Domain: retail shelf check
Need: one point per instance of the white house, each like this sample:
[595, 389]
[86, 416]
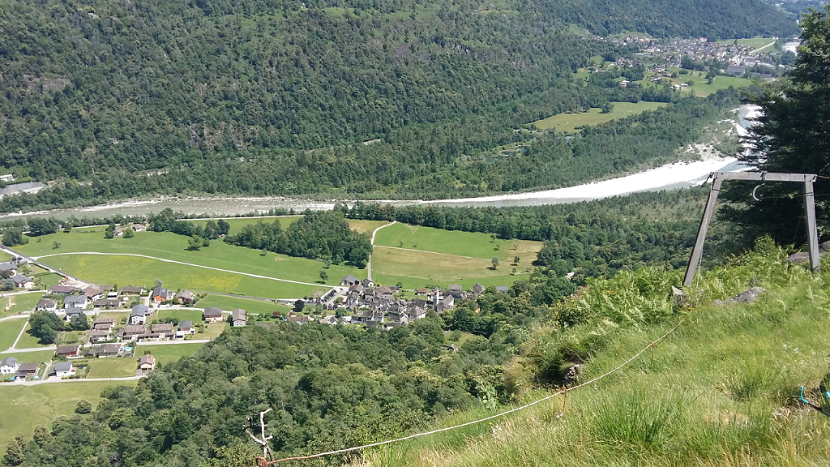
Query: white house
[75, 300]
[138, 315]
[8, 366]
[62, 369]
[46, 304]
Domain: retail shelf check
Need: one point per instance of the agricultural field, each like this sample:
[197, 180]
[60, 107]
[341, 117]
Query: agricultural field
[123, 270]
[700, 88]
[211, 331]
[42, 356]
[755, 42]
[249, 305]
[118, 367]
[454, 242]
[13, 304]
[570, 123]
[168, 353]
[440, 257]
[9, 329]
[180, 314]
[28, 341]
[42, 403]
[364, 226]
[236, 224]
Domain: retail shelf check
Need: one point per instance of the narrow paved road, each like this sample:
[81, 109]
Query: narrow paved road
[20, 334]
[369, 263]
[184, 264]
[48, 268]
[36, 349]
[82, 380]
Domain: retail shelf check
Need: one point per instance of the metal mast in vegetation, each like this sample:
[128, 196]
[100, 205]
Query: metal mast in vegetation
[717, 180]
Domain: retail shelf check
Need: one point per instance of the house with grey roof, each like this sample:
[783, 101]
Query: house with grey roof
[138, 315]
[349, 280]
[109, 350]
[8, 269]
[72, 312]
[61, 289]
[186, 296]
[8, 366]
[239, 317]
[185, 328]
[212, 314]
[75, 300]
[62, 369]
[23, 282]
[47, 304]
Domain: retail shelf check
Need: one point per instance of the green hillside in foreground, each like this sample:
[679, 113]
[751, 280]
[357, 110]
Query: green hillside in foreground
[723, 389]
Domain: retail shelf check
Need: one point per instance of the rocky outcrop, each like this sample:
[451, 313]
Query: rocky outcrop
[749, 296]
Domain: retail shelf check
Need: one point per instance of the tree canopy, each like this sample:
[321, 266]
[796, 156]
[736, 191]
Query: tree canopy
[791, 134]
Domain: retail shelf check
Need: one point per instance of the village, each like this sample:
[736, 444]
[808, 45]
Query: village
[113, 321]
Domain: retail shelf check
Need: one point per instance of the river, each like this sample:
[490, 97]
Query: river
[667, 177]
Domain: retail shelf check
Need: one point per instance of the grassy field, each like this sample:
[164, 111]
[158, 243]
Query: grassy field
[181, 315]
[568, 123]
[251, 306]
[112, 367]
[237, 224]
[755, 42]
[28, 341]
[48, 279]
[702, 89]
[124, 270]
[472, 244]
[9, 329]
[211, 331]
[174, 247]
[723, 390]
[34, 357]
[24, 407]
[441, 257]
[168, 353]
[13, 304]
[364, 226]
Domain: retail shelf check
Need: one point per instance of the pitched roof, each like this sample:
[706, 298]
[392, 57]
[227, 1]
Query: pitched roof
[185, 324]
[109, 348]
[213, 312]
[147, 358]
[73, 299]
[63, 366]
[162, 327]
[90, 292]
[132, 289]
[21, 279]
[67, 349]
[103, 321]
[74, 310]
[27, 368]
[139, 310]
[135, 329]
[8, 361]
[7, 266]
[186, 294]
[47, 303]
[61, 289]
[239, 314]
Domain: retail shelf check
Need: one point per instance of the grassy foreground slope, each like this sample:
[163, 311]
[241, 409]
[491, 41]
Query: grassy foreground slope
[723, 389]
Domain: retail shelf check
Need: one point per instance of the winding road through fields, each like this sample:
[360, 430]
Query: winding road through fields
[182, 263]
[369, 263]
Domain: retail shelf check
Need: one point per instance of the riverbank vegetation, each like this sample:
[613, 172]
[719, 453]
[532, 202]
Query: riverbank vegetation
[412, 99]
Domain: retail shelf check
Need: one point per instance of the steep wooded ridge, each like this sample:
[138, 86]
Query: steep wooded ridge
[245, 97]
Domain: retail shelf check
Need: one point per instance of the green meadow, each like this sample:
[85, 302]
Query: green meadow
[24, 407]
[236, 224]
[754, 42]
[9, 329]
[179, 314]
[131, 270]
[28, 341]
[112, 367]
[251, 306]
[168, 353]
[571, 122]
[454, 242]
[13, 304]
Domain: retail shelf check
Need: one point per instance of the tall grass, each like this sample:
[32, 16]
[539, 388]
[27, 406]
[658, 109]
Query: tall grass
[723, 389]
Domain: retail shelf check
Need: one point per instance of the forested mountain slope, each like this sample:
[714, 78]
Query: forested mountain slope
[98, 90]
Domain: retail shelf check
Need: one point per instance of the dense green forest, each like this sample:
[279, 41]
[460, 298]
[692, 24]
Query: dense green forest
[329, 387]
[425, 163]
[317, 235]
[271, 97]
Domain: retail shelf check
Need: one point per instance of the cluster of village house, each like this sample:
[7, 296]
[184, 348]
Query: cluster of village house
[377, 307]
[11, 270]
[664, 54]
[106, 339]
